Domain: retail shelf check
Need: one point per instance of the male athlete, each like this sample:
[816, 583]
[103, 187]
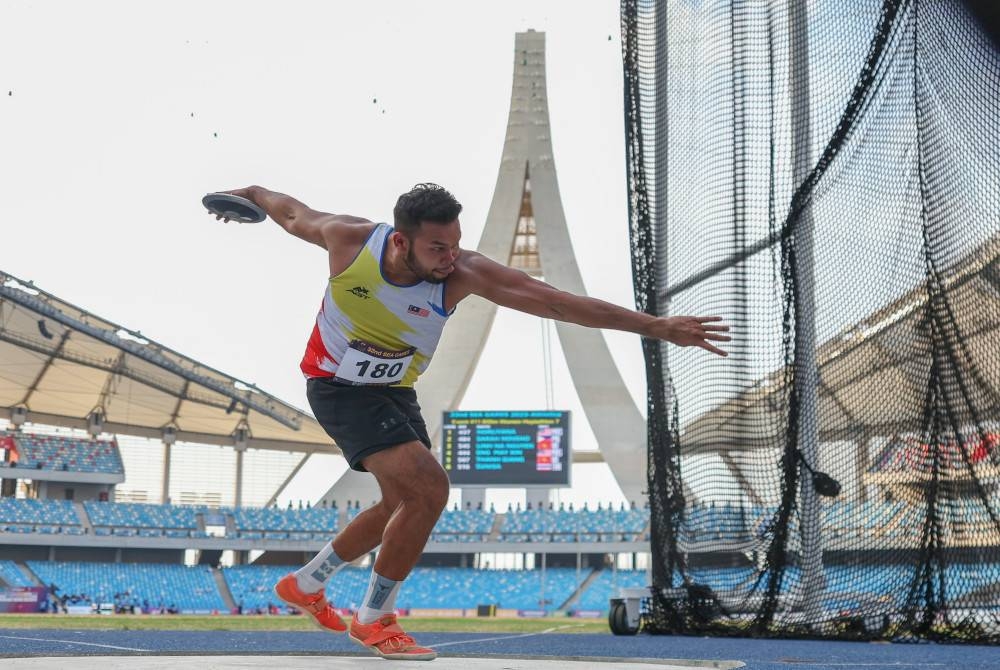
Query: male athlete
[390, 293]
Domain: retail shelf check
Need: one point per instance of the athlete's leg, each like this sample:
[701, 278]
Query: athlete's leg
[416, 487]
[414, 493]
[364, 532]
[360, 536]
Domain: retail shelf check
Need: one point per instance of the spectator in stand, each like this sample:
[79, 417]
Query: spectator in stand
[54, 597]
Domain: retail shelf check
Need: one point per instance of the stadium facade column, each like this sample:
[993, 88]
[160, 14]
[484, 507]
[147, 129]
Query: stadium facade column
[238, 495]
[473, 497]
[165, 498]
[538, 497]
[526, 228]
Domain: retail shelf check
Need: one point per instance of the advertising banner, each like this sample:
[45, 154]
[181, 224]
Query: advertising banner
[22, 599]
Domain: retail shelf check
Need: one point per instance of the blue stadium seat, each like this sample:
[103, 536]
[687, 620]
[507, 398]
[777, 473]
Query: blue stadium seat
[273, 519]
[41, 516]
[426, 588]
[599, 592]
[191, 589]
[468, 587]
[141, 515]
[49, 452]
[600, 525]
[252, 585]
[11, 576]
[458, 525]
[705, 522]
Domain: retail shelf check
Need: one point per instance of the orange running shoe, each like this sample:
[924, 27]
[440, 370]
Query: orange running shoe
[313, 605]
[387, 639]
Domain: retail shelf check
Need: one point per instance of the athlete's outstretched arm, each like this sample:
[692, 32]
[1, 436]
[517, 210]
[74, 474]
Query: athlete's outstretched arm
[295, 217]
[514, 289]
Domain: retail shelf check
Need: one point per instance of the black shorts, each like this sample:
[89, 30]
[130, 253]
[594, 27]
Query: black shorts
[365, 419]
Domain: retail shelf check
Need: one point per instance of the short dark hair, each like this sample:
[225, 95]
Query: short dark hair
[424, 202]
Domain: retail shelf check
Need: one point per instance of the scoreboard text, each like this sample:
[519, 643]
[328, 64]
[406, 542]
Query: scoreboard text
[506, 448]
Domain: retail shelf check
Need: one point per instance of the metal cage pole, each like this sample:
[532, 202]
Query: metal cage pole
[806, 376]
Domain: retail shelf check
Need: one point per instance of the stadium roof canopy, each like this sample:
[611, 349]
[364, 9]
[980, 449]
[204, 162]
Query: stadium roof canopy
[885, 356]
[62, 366]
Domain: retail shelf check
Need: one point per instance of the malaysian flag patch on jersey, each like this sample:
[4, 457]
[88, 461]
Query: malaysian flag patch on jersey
[419, 311]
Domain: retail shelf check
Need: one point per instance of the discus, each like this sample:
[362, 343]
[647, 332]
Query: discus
[233, 207]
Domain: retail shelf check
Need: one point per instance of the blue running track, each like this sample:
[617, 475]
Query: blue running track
[757, 654]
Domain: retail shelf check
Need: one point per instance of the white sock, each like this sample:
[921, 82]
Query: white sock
[380, 599]
[314, 575]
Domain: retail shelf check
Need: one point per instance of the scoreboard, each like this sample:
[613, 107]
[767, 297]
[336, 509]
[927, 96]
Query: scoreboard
[506, 448]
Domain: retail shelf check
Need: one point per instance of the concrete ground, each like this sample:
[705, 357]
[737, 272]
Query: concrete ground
[334, 663]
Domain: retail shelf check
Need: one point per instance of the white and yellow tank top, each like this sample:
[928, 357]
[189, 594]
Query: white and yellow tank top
[370, 331]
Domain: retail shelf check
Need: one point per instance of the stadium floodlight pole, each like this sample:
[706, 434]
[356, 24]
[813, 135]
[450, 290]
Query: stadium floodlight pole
[806, 377]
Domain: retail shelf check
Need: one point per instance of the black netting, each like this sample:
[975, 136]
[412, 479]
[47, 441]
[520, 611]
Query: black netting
[826, 177]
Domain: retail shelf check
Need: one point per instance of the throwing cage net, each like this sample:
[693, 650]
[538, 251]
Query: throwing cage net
[826, 177]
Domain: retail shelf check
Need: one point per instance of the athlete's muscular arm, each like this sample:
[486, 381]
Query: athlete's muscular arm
[514, 289]
[295, 217]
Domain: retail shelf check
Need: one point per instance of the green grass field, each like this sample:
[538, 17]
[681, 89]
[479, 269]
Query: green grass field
[266, 623]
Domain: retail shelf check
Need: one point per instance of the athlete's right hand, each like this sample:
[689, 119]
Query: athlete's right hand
[241, 192]
[245, 192]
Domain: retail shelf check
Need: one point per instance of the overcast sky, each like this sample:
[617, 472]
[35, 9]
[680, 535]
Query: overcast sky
[116, 117]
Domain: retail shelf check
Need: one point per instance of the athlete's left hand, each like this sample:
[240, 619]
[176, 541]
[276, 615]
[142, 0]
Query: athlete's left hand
[691, 331]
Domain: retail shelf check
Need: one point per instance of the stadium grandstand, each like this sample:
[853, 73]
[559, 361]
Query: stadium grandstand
[163, 499]
[150, 484]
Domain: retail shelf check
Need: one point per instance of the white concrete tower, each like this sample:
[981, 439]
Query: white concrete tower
[526, 228]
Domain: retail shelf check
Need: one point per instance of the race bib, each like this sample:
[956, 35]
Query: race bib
[365, 363]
